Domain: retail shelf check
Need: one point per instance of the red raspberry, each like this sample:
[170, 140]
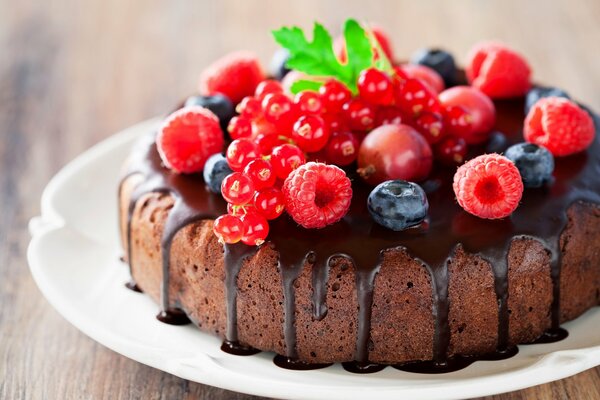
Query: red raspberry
[559, 125]
[498, 70]
[488, 186]
[188, 137]
[317, 195]
[236, 75]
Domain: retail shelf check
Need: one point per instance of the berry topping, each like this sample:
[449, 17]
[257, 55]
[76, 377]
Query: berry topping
[277, 65]
[261, 172]
[317, 195]
[480, 108]
[286, 158]
[375, 87]
[240, 152]
[540, 92]
[277, 108]
[267, 141]
[256, 229]
[488, 186]
[451, 150]
[228, 228]
[498, 71]
[269, 202]
[310, 133]
[535, 163]
[188, 137]
[220, 105]
[458, 121]
[498, 143]
[394, 152]
[215, 170]
[236, 76]
[334, 94]
[398, 204]
[559, 125]
[237, 188]
[440, 61]
[342, 149]
[359, 114]
[426, 75]
[239, 127]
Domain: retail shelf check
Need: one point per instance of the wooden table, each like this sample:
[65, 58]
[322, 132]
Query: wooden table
[74, 72]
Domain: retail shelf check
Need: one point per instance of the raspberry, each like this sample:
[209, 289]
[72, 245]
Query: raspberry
[559, 125]
[498, 71]
[188, 137]
[488, 186]
[236, 75]
[317, 195]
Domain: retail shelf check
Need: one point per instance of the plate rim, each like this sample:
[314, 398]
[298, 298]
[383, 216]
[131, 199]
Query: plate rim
[50, 221]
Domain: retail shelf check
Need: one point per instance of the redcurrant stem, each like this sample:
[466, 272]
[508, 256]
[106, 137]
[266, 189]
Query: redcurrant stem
[367, 171]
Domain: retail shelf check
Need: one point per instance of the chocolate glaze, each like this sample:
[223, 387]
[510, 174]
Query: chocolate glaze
[541, 216]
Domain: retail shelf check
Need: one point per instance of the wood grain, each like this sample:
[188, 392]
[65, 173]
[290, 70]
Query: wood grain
[72, 73]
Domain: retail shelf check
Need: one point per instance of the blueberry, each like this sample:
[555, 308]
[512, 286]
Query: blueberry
[439, 60]
[215, 170]
[540, 92]
[397, 204]
[497, 143]
[218, 104]
[277, 66]
[534, 162]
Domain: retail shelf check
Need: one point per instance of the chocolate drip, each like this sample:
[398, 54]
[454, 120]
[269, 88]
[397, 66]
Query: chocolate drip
[238, 349]
[234, 257]
[294, 364]
[365, 282]
[541, 216]
[131, 285]
[290, 269]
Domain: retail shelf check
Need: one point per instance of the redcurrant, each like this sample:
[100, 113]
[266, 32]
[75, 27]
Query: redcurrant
[269, 202]
[240, 152]
[388, 115]
[237, 188]
[430, 125]
[239, 127]
[335, 122]
[240, 210]
[308, 102]
[458, 121]
[286, 158]
[451, 150]
[256, 229]
[342, 148]
[267, 87]
[413, 97]
[310, 133]
[359, 114]
[261, 173]
[228, 228]
[375, 87]
[249, 107]
[334, 94]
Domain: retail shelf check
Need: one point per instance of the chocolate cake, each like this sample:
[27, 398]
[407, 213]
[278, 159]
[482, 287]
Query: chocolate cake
[471, 260]
[355, 292]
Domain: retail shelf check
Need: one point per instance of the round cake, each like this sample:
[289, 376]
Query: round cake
[451, 288]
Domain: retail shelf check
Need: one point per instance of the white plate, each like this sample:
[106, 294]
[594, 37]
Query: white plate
[74, 259]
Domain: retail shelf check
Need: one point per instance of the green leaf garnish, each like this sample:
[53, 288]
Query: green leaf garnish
[305, 84]
[317, 57]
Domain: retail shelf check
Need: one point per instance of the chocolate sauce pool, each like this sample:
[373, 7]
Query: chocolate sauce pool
[541, 215]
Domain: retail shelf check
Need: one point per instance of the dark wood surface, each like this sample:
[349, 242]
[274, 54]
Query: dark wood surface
[74, 72]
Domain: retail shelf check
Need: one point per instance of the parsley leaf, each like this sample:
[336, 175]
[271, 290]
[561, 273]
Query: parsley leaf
[305, 84]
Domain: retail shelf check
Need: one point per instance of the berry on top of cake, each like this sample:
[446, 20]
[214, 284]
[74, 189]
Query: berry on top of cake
[348, 111]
